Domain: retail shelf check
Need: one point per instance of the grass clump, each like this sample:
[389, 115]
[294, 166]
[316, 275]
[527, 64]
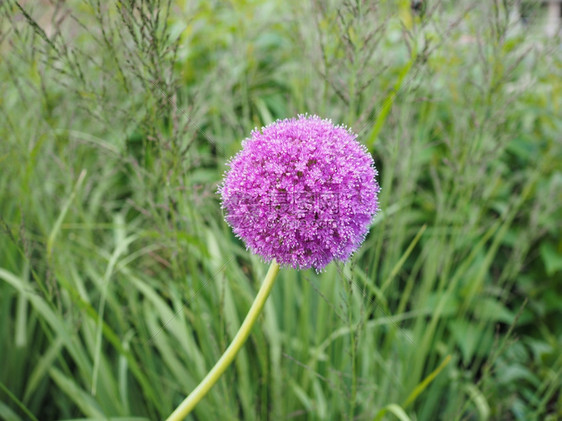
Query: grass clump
[121, 285]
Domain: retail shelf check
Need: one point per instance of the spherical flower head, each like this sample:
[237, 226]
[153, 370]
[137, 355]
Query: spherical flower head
[301, 191]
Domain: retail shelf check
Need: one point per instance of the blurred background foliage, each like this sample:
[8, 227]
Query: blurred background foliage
[121, 285]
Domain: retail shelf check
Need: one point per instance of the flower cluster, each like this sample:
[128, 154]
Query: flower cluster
[301, 191]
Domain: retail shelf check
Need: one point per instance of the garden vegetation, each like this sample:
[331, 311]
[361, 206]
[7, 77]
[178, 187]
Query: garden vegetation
[121, 284]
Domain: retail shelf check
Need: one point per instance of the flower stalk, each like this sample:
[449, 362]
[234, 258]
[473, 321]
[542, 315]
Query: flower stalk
[216, 372]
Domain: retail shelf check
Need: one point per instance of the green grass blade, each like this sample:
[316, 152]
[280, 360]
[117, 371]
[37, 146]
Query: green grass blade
[66, 206]
[17, 401]
[423, 385]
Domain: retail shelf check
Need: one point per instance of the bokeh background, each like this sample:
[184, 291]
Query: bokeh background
[121, 284]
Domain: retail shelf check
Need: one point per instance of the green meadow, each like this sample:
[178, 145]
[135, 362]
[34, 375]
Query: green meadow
[121, 284]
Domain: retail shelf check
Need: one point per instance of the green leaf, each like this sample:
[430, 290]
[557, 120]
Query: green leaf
[5, 411]
[493, 310]
[388, 101]
[466, 336]
[479, 401]
[423, 385]
[395, 409]
[551, 257]
[56, 227]
[450, 305]
[511, 373]
[84, 400]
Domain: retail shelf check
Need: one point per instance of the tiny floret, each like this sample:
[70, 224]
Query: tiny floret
[302, 191]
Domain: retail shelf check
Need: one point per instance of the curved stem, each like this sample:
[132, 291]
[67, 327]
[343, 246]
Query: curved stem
[201, 390]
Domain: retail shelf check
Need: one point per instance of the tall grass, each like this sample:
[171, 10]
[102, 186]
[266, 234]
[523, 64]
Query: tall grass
[121, 285]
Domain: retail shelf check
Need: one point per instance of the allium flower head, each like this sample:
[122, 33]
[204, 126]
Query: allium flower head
[301, 191]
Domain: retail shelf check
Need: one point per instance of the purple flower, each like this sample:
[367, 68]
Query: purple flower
[301, 191]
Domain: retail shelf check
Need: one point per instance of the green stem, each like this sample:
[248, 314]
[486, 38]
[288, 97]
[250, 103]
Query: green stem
[201, 390]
